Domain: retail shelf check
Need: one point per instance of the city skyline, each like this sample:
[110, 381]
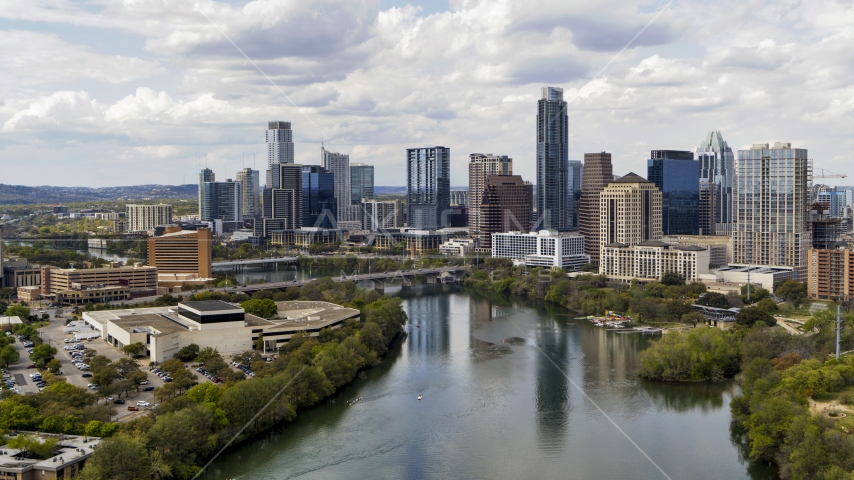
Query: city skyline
[128, 97]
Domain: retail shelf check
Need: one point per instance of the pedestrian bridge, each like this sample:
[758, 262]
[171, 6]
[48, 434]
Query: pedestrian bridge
[253, 261]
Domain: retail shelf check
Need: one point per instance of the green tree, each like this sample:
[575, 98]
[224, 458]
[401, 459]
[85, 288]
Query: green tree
[264, 307]
[756, 293]
[8, 354]
[590, 268]
[748, 316]
[792, 291]
[693, 318]
[188, 353]
[41, 448]
[700, 354]
[118, 458]
[713, 299]
[134, 349]
[18, 311]
[672, 278]
[767, 305]
[53, 366]
[43, 353]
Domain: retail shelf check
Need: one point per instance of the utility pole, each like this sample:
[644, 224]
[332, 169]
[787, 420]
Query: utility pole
[838, 329]
[748, 284]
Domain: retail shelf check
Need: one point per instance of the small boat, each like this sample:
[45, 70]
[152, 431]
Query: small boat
[419, 397]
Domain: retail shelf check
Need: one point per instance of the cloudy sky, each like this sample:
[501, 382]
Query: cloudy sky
[119, 92]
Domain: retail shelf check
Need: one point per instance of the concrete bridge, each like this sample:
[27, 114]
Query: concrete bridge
[379, 279]
[252, 261]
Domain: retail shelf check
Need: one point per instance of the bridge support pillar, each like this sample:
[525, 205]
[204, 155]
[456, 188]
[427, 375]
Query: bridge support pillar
[379, 285]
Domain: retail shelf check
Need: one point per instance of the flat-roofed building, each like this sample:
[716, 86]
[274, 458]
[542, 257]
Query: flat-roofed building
[830, 274]
[66, 462]
[541, 249]
[505, 205]
[182, 251]
[29, 294]
[766, 276]
[137, 277]
[81, 294]
[651, 259]
[142, 218]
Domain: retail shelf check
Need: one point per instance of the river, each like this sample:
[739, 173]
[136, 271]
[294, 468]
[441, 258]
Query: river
[494, 410]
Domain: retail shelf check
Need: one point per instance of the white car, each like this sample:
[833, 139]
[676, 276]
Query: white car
[144, 382]
[141, 403]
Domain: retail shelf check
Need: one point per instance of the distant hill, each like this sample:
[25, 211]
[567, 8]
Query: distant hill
[21, 195]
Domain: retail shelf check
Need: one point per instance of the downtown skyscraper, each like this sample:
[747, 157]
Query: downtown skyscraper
[553, 189]
[428, 187]
[716, 165]
[596, 175]
[250, 189]
[280, 143]
[771, 207]
[677, 176]
[481, 166]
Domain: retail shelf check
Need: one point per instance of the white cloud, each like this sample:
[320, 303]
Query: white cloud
[373, 82]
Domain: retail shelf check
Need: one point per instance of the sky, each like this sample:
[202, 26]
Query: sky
[122, 92]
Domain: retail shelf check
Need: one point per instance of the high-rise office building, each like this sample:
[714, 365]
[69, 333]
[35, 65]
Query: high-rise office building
[141, 218]
[283, 195]
[280, 143]
[707, 207]
[505, 206]
[596, 175]
[250, 205]
[361, 182]
[677, 176]
[182, 251]
[428, 187]
[716, 164]
[630, 211]
[771, 207]
[575, 169]
[319, 205]
[222, 201]
[205, 176]
[481, 166]
[553, 205]
[339, 165]
[379, 214]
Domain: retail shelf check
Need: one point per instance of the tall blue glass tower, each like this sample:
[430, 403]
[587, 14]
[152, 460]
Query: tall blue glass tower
[553, 185]
[677, 175]
[319, 206]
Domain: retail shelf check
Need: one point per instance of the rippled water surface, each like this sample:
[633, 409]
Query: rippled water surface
[501, 384]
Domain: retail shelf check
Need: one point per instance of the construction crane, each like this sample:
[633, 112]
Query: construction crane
[829, 174]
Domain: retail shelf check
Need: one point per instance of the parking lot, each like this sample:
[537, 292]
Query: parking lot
[55, 335]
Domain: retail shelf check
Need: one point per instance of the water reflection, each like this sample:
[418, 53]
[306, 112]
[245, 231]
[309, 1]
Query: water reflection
[552, 386]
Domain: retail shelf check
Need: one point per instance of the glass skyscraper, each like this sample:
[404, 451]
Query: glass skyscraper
[552, 198]
[319, 206]
[716, 164]
[361, 182]
[575, 168]
[771, 207]
[677, 175]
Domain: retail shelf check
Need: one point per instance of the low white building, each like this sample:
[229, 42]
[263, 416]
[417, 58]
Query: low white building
[541, 249]
[763, 275]
[650, 260]
[458, 247]
[216, 324]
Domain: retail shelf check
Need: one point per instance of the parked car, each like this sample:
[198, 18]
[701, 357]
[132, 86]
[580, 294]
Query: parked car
[148, 388]
[119, 401]
[132, 408]
[32, 365]
[142, 403]
[144, 382]
[87, 375]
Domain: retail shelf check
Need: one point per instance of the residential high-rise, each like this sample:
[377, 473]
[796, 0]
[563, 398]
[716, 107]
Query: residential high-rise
[677, 176]
[575, 169]
[380, 215]
[597, 174]
[141, 218]
[481, 166]
[460, 198]
[553, 205]
[319, 206]
[361, 182]
[505, 206]
[280, 143]
[250, 205]
[829, 274]
[283, 195]
[707, 207]
[716, 164]
[339, 165]
[222, 201]
[428, 187]
[205, 176]
[771, 207]
[630, 211]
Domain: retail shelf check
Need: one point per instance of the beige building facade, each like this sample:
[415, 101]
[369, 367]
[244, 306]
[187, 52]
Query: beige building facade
[142, 218]
[629, 211]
